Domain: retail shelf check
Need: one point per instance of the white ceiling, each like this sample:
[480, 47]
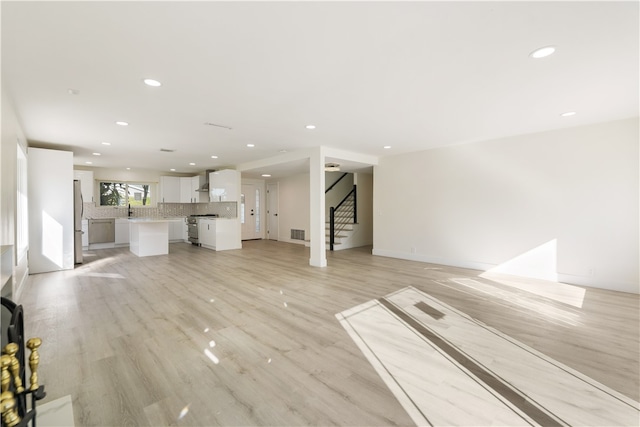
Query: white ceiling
[412, 75]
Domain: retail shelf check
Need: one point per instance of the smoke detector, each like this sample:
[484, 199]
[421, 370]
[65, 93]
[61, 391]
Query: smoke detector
[331, 167]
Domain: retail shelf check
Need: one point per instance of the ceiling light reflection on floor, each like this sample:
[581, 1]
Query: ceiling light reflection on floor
[212, 343]
[211, 356]
[184, 412]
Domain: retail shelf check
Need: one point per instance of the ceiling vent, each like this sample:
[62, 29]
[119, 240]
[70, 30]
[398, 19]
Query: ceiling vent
[217, 125]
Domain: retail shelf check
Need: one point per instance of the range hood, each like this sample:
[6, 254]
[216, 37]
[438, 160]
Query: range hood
[204, 188]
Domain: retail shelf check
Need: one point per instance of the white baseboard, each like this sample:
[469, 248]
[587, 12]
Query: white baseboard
[588, 281]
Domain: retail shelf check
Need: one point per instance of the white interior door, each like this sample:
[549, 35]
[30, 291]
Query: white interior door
[250, 200]
[272, 211]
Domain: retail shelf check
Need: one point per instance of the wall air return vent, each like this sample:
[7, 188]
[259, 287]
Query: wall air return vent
[167, 150]
[297, 234]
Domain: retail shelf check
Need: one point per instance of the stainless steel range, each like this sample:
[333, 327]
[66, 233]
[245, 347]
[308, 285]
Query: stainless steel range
[192, 223]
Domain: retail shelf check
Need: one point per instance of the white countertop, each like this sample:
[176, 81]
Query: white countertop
[154, 219]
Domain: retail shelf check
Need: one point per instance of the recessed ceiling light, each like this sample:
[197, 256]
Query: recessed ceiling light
[128, 169]
[122, 123]
[266, 175]
[172, 170]
[310, 126]
[96, 154]
[152, 82]
[214, 157]
[386, 147]
[568, 114]
[192, 164]
[251, 145]
[73, 91]
[89, 163]
[282, 151]
[106, 143]
[542, 52]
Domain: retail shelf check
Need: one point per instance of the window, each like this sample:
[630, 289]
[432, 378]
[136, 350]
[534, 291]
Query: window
[125, 193]
[22, 211]
[257, 210]
[242, 208]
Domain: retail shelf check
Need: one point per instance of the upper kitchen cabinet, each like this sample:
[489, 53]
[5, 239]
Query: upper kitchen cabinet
[224, 185]
[170, 189]
[175, 189]
[86, 184]
[187, 190]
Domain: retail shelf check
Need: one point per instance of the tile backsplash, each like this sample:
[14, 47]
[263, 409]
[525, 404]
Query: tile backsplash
[163, 210]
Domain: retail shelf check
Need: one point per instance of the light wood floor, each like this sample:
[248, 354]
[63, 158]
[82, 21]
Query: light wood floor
[250, 337]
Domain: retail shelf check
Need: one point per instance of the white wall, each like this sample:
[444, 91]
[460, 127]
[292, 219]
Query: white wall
[571, 194]
[364, 232]
[293, 199]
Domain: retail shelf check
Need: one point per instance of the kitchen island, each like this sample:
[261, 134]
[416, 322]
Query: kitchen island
[149, 236]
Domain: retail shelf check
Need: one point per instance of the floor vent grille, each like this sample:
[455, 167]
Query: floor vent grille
[297, 234]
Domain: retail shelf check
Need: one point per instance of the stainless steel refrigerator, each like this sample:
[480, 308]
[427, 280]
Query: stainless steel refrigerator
[77, 221]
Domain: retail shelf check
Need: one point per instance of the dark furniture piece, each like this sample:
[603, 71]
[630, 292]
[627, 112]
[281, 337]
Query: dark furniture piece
[13, 332]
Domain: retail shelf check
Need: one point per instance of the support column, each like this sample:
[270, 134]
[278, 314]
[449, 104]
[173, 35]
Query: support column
[316, 208]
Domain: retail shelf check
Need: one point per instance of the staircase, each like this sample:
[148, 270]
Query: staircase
[344, 218]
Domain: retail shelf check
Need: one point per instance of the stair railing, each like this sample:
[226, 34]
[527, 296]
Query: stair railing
[335, 183]
[332, 215]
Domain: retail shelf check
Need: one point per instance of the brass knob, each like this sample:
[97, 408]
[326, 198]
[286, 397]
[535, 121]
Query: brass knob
[34, 360]
[5, 361]
[11, 349]
[10, 415]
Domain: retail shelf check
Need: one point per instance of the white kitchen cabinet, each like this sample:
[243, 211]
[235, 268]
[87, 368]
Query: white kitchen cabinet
[170, 189]
[181, 189]
[177, 230]
[85, 234]
[50, 195]
[207, 232]
[224, 185]
[86, 184]
[122, 232]
[187, 191]
[219, 234]
[227, 234]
